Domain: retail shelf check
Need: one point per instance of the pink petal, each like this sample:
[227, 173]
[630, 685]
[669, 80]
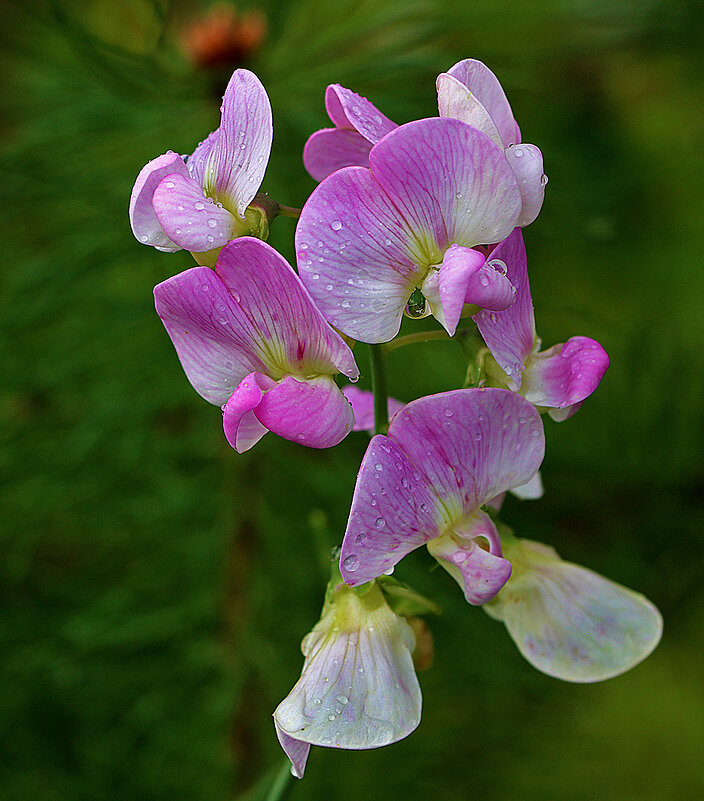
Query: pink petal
[527, 164]
[242, 429]
[238, 158]
[193, 221]
[565, 374]
[363, 407]
[311, 412]
[347, 109]
[203, 321]
[457, 102]
[355, 256]
[296, 750]
[510, 334]
[278, 314]
[331, 149]
[145, 224]
[449, 182]
[198, 160]
[560, 415]
[392, 513]
[481, 573]
[485, 86]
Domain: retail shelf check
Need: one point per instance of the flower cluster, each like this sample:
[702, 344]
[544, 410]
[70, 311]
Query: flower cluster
[407, 221]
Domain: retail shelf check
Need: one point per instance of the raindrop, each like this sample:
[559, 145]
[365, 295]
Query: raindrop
[448, 412]
[518, 152]
[359, 539]
[200, 205]
[484, 280]
[342, 699]
[351, 563]
[345, 304]
[212, 222]
[378, 467]
[544, 180]
[328, 287]
[304, 246]
[336, 225]
[331, 717]
[169, 184]
[210, 238]
[145, 238]
[380, 522]
[315, 276]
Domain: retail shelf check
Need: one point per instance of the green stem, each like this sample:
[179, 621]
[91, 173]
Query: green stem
[410, 339]
[289, 211]
[282, 783]
[377, 360]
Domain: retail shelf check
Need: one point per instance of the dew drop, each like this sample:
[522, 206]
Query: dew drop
[518, 152]
[315, 276]
[210, 238]
[180, 208]
[328, 287]
[169, 184]
[380, 522]
[342, 699]
[345, 304]
[331, 717]
[304, 246]
[336, 225]
[200, 205]
[448, 412]
[378, 467]
[144, 238]
[351, 563]
[359, 539]
[484, 280]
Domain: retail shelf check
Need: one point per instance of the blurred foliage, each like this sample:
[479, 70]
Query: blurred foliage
[155, 585]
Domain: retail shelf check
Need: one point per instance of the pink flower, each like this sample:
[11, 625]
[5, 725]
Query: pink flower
[363, 407]
[251, 340]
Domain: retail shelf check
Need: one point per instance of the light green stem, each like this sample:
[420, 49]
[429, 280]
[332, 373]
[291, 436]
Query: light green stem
[377, 360]
[289, 211]
[282, 783]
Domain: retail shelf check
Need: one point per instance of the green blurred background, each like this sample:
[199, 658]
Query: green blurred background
[156, 585]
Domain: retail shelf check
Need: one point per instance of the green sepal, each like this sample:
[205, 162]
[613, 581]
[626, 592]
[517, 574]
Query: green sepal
[406, 601]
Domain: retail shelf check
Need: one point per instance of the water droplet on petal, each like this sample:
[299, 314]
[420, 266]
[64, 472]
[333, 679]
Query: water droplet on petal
[378, 467]
[448, 412]
[359, 539]
[518, 152]
[200, 205]
[342, 699]
[169, 184]
[351, 563]
[380, 522]
[336, 225]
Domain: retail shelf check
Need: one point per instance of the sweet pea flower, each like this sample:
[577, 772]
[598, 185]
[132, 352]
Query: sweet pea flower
[372, 241]
[251, 340]
[469, 91]
[570, 622]
[444, 457]
[358, 688]
[200, 202]
[559, 378]
[363, 407]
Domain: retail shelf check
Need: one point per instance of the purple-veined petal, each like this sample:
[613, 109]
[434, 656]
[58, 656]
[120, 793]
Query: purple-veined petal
[363, 407]
[510, 334]
[449, 182]
[198, 160]
[310, 412]
[192, 220]
[331, 149]
[203, 321]
[485, 86]
[242, 429]
[470, 444]
[392, 513]
[143, 219]
[356, 257]
[358, 688]
[279, 315]
[565, 374]
[457, 102]
[347, 109]
[570, 622]
[238, 157]
[481, 573]
[527, 164]
[296, 750]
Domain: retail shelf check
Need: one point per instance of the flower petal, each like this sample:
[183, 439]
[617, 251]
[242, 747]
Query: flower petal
[565, 374]
[450, 183]
[238, 158]
[570, 622]
[358, 688]
[347, 109]
[527, 164]
[242, 429]
[470, 444]
[481, 573]
[198, 160]
[457, 102]
[356, 257]
[363, 407]
[296, 750]
[485, 86]
[510, 334]
[331, 149]
[203, 321]
[311, 412]
[193, 221]
[277, 312]
[532, 490]
[145, 224]
[392, 513]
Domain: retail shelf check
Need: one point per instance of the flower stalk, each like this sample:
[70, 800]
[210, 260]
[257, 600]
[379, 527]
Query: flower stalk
[377, 361]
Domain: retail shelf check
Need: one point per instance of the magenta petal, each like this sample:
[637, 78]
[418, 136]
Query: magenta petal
[347, 109]
[510, 334]
[241, 427]
[238, 158]
[565, 374]
[296, 750]
[481, 573]
[449, 182]
[277, 312]
[202, 319]
[485, 86]
[392, 513]
[313, 413]
[145, 224]
[193, 221]
[471, 444]
[363, 407]
[527, 164]
[331, 149]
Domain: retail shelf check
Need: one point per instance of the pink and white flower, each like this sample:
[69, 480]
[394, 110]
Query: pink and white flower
[251, 340]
